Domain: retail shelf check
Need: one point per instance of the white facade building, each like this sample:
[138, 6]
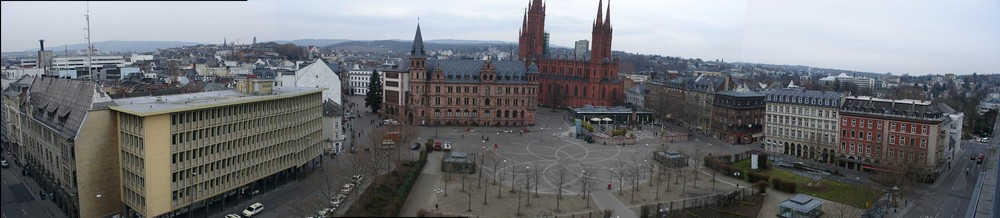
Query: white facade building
[803, 123]
[319, 75]
[359, 78]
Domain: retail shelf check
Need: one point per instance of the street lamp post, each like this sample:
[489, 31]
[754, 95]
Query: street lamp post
[527, 184]
[481, 167]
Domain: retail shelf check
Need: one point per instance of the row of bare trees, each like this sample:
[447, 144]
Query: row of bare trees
[369, 162]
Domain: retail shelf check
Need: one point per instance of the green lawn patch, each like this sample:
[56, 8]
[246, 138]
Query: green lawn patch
[840, 192]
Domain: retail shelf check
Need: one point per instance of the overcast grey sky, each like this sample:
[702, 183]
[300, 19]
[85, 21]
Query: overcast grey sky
[900, 36]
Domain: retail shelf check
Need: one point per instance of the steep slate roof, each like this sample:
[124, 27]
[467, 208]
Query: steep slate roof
[418, 45]
[641, 88]
[332, 109]
[740, 94]
[806, 97]
[704, 82]
[459, 69]
[62, 104]
[911, 109]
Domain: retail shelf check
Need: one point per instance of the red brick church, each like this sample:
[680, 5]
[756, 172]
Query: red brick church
[565, 79]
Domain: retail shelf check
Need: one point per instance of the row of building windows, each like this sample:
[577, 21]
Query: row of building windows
[278, 121]
[771, 108]
[131, 182]
[277, 138]
[475, 90]
[256, 108]
[475, 113]
[579, 71]
[130, 123]
[578, 91]
[800, 135]
[802, 122]
[486, 102]
[232, 172]
[804, 100]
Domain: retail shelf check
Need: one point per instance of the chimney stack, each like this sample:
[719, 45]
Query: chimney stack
[41, 44]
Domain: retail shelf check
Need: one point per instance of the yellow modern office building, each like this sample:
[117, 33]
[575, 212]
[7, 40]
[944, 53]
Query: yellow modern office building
[180, 152]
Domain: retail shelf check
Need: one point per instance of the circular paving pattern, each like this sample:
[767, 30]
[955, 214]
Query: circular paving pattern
[575, 155]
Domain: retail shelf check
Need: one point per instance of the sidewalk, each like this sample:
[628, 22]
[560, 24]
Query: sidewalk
[985, 192]
[50, 207]
[423, 190]
[604, 200]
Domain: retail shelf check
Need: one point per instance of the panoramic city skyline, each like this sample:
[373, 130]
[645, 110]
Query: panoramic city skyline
[917, 38]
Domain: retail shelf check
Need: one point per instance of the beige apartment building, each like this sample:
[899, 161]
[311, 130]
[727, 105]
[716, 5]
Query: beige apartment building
[179, 151]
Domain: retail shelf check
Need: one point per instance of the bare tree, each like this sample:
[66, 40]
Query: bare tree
[380, 157]
[527, 185]
[495, 160]
[406, 135]
[620, 174]
[651, 166]
[536, 175]
[838, 210]
[633, 172]
[469, 192]
[902, 174]
[561, 176]
[518, 192]
[586, 183]
[465, 173]
[694, 169]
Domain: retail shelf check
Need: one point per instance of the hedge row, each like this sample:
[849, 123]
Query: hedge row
[784, 186]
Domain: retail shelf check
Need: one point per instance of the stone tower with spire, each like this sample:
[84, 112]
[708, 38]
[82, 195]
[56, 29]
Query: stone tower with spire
[568, 80]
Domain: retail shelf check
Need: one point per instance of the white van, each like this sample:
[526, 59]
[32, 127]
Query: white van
[447, 146]
[253, 209]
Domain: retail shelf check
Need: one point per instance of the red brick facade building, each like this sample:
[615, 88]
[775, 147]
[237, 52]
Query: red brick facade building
[568, 81]
[883, 134]
[468, 92]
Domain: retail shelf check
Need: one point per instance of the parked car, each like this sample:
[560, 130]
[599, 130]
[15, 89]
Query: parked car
[4, 164]
[415, 146]
[253, 209]
[589, 139]
[347, 188]
[437, 145]
[337, 200]
[447, 146]
[356, 179]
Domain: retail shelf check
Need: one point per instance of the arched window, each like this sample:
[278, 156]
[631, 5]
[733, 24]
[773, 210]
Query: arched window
[487, 102]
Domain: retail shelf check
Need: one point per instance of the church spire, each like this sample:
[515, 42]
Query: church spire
[418, 44]
[600, 4]
[607, 19]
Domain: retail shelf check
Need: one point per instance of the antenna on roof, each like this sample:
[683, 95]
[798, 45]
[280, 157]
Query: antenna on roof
[90, 48]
